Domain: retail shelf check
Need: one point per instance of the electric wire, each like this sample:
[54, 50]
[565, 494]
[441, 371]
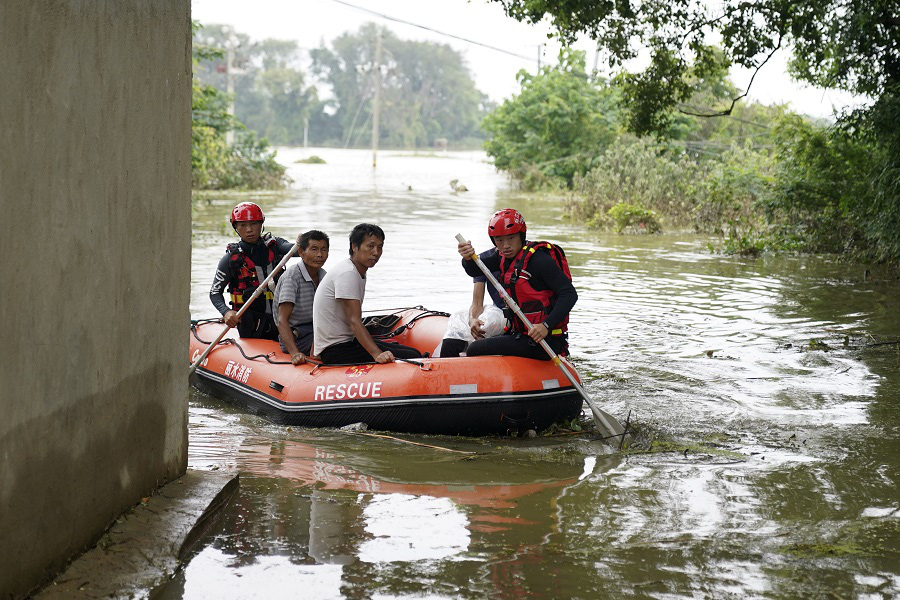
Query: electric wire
[450, 35]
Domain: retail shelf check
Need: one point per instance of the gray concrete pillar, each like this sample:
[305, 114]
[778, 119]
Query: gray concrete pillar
[95, 181]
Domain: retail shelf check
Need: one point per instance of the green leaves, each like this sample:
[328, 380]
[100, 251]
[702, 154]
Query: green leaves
[246, 164]
[557, 124]
[852, 45]
[635, 216]
[836, 189]
[272, 97]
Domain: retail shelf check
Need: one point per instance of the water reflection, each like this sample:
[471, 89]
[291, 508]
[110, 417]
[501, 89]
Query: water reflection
[269, 577]
[332, 517]
[396, 522]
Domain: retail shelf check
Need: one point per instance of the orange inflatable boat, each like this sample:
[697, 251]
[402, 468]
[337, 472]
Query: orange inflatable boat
[466, 395]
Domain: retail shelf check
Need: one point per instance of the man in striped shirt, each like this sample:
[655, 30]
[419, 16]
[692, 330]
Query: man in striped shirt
[294, 296]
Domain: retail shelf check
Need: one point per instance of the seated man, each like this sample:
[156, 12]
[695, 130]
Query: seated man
[245, 265]
[339, 334]
[466, 326]
[294, 296]
[535, 275]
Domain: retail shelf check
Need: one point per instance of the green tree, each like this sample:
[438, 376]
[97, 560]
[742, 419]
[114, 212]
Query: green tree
[556, 126]
[846, 44]
[427, 90]
[248, 163]
[836, 189]
[285, 107]
[748, 122]
[272, 96]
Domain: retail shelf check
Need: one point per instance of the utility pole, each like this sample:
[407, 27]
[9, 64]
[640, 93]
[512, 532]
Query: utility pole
[306, 132]
[231, 44]
[377, 73]
[539, 47]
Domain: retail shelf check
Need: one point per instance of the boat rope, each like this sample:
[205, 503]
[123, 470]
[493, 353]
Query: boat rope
[394, 310]
[235, 343]
[396, 439]
[320, 365]
[405, 326]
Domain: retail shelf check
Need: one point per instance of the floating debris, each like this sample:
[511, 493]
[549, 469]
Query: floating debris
[457, 186]
[355, 427]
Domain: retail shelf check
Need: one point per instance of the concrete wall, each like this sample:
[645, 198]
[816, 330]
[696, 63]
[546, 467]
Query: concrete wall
[95, 197]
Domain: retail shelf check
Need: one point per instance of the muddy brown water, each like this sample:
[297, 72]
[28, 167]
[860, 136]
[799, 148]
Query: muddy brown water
[771, 415]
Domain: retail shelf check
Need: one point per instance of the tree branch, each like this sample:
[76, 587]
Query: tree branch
[727, 111]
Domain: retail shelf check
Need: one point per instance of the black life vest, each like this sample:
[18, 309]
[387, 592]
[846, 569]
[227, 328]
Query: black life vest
[247, 275]
[535, 304]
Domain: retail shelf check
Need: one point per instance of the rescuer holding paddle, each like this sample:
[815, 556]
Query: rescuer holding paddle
[246, 263]
[536, 275]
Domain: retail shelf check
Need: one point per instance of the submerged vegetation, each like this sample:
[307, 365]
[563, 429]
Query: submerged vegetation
[762, 177]
[311, 160]
[656, 186]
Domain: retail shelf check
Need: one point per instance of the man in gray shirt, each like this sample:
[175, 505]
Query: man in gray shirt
[340, 336]
[294, 296]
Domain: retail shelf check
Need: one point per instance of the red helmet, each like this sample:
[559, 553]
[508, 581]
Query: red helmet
[506, 222]
[246, 211]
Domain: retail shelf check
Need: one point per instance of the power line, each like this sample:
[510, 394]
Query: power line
[450, 35]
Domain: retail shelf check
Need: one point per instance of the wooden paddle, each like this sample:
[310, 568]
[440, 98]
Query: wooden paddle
[256, 294]
[606, 424]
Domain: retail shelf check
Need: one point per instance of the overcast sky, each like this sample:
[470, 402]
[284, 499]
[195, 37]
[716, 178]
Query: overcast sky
[310, 22]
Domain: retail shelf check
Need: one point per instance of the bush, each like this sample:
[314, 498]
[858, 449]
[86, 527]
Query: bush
[837, 189]
[248, 164]
[819, 188]
[640, 173]
[311, 160]
[717, 195]
[728, 196]
[636, 216]
[252, 165]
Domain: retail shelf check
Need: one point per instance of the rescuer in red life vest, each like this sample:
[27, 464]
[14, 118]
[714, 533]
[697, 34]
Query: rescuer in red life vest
[245, 265]
[536, 275]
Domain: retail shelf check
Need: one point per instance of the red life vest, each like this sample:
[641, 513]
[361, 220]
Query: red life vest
[246, 274]
[535, 304]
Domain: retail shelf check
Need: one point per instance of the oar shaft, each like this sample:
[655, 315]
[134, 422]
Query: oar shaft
[259, 290]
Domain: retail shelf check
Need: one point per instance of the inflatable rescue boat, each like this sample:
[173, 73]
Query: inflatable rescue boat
[465, 395]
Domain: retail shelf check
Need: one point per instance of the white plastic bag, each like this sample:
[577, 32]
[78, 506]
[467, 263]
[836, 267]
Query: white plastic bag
[458, 325]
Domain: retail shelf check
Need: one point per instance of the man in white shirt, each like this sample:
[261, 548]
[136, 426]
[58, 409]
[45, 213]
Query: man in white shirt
[339, 334]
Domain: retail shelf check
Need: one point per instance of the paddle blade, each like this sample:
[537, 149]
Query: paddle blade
[607, 425]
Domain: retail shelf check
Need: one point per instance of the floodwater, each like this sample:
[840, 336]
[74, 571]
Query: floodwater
[767, 456]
